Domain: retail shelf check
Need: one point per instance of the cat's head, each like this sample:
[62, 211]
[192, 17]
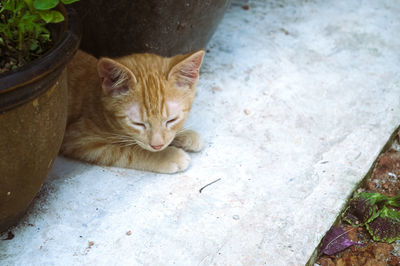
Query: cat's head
[148, 97]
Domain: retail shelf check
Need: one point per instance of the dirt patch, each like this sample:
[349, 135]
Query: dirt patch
[384, 180]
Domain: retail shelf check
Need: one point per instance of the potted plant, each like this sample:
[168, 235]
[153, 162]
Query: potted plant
[37, 39]
[120, 27]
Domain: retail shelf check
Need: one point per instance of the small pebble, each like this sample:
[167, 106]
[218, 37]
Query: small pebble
[284, 31]
[247, 112]
[392, 175]
[235, 217]
[128, 233]
[371, 185]
[91, 243]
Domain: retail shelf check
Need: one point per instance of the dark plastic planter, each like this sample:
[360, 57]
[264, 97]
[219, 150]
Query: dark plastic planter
[164, 27]
[33, 113]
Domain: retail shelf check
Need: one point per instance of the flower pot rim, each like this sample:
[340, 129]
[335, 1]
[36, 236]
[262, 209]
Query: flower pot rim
[18, 86]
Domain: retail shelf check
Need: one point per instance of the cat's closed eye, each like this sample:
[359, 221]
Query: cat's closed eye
[171, 121]
[139, 124]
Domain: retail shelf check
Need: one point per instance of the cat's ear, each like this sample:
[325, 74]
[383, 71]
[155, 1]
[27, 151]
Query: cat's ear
[186, 72]
[116, 79]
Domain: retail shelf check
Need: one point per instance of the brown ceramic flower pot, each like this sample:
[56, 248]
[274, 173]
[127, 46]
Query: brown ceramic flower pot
[121, 27]
[33, 112]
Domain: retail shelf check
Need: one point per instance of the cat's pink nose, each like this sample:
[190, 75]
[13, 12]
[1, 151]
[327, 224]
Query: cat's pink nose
[157, 147]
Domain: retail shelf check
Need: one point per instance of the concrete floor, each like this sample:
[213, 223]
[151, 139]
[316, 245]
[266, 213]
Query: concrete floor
[295, 101]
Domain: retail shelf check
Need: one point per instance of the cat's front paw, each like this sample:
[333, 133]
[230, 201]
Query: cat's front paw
[188, 140]
[173, 160]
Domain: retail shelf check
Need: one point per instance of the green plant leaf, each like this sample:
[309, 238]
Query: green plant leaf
[27, 22]
[51, 16]
[395, 201]
[29, 3]
[19, 6]
[33, 45]
[45, 37]
[57, 16]
[362, 208]
[8, 5]
[67, 2]
[45, 4]
[386, 227]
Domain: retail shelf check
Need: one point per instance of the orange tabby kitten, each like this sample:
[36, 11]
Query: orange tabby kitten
[129, 112]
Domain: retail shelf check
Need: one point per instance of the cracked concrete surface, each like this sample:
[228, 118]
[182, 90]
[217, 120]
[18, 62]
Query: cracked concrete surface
[295, 101]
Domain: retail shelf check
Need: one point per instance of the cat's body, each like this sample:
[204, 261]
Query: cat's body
[129, 112]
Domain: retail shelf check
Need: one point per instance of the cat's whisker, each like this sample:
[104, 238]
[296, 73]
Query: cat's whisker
[121, 142]
[139, 142]
[181, 131]
[118, 139]
[129, 144]
[114, 134]
[119, 136]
